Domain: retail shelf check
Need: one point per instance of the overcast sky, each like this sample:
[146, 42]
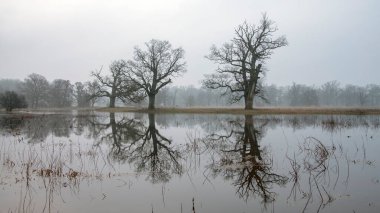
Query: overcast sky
[328, 39]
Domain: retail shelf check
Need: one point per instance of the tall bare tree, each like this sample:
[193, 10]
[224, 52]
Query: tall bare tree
[242, 60]
[153, 68]
[35, 88]
[117, 85]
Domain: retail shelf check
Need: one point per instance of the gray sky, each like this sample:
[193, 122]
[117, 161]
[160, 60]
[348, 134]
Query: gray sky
[328, 39]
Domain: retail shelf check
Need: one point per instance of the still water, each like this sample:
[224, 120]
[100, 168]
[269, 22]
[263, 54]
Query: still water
[130, 162]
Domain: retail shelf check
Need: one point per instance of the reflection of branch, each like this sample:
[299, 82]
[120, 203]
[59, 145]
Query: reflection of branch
[153, 156]
[144, 146]
[257, 178]
[242, 160]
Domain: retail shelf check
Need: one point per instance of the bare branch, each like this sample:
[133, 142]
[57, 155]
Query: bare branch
[152, 69]
[243, 58]
[117, 85]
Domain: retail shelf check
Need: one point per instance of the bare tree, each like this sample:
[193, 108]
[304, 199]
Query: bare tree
[81, 94]
[35, 88]
[60, 93]
[117, 85]
[330, 92]
[153, 68]
[92, 88]
[243, 60]
[373, 94]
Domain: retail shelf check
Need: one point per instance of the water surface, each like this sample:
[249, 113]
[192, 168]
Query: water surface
[127, 162]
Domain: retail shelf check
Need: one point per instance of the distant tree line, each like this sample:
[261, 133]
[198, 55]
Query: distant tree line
[329, 94]
[36, 92]
[62, 93]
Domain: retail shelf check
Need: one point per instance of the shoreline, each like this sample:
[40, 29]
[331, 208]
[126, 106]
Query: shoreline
[214, 110]
[254, 111]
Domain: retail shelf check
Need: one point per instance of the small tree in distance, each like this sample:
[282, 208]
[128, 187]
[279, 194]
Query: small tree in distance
[242, 60]
[60, 93]
[35, 88]
[11, 100]
[81, 94]
[117, 85]
[153, 68]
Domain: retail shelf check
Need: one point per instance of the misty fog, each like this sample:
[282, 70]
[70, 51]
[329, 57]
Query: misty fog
[328, 94]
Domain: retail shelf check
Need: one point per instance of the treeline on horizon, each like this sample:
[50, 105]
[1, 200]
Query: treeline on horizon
[63, 93]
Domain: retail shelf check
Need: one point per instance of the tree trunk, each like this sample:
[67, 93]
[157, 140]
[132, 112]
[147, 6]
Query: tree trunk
[152, 99]
[112, 102]
[251, 137]
[153, 135]
[248, 102]
[114, 130]
[152, 121]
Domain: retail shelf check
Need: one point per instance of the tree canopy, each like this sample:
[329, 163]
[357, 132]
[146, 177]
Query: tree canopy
[153, 68]
[241, 60]
[36, 89]
[116, 85]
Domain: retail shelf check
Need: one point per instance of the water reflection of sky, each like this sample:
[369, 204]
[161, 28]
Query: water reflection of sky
[212, 163]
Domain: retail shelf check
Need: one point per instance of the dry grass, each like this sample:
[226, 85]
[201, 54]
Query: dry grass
[221, 110]
[63, 109]
[257, 110]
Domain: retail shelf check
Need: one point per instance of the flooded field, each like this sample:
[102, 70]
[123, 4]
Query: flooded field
[131, 162]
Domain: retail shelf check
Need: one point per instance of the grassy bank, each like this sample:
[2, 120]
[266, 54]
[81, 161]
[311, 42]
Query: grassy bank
[257, 110]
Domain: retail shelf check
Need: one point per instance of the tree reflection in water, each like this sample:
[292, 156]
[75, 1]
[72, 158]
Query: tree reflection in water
[144, 147]
[240, 158]
[155, 155]
[36, 128]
